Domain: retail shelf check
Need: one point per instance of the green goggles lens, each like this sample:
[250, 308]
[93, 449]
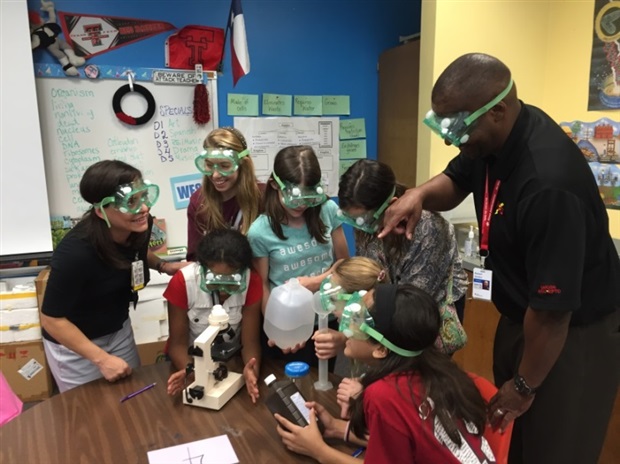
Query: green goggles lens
[295, 196]
[365, 222]
[129, 198]
[370, 221]
[457, 127]
[228, 283]
[354, 315]
[224, 161]
[454, 129]
[357, 323]
[332, 296]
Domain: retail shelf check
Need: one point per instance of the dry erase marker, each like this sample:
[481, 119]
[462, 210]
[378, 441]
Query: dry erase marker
[142, 390]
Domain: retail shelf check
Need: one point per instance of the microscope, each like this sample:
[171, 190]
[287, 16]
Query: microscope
[214, 385]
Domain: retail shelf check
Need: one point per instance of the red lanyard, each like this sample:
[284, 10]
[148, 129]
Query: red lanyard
[487, 211]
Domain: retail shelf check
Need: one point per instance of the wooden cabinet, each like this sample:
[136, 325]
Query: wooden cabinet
[397, 119]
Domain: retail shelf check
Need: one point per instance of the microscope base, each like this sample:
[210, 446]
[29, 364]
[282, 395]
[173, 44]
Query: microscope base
[219, 395]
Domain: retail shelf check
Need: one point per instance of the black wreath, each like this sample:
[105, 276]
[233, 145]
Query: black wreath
[120, 114]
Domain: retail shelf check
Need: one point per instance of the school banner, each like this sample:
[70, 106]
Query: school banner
[91, 35]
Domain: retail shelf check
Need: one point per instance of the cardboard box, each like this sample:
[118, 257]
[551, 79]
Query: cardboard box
[40, 283]
[26, 370]
[151, 353]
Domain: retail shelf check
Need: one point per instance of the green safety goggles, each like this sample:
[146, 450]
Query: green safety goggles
[228, 283]
[223, 160]
[332, 296]
[456, 128]
[356, 322]
[296, 196]
[129, 198]
[370, 221]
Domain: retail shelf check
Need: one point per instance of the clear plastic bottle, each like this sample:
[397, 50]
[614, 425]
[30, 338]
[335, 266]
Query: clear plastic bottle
[469, 243]
[289, 314]
[299, 373]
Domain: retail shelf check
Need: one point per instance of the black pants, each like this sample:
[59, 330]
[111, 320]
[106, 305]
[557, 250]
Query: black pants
[568, 419]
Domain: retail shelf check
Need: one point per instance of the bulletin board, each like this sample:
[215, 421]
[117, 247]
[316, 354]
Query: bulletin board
[79, 128]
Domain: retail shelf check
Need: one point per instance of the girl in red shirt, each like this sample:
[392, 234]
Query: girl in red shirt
[417, 406]
[223, 275]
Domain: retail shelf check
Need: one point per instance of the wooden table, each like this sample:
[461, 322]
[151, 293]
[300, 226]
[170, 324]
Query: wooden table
[89, 425]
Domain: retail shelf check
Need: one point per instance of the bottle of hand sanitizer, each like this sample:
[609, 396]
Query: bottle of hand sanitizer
[469, 243]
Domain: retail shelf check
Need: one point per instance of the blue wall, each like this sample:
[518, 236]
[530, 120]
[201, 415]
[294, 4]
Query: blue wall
[305, 47]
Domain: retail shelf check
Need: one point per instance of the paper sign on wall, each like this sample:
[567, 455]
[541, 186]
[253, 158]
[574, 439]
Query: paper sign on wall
[277, 105]
[336, 105]
[242, 105]
[307, 105]
[353, 148]
[352, 129]
[183, 187]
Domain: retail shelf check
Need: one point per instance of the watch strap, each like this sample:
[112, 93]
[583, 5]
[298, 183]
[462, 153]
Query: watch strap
[522, 387]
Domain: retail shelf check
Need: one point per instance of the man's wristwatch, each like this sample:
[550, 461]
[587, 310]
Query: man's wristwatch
[522, 387]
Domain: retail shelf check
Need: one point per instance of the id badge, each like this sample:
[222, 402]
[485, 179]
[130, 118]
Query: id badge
[137, 275]
[483, 283]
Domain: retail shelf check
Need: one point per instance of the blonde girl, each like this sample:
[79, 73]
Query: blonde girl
[230, 195]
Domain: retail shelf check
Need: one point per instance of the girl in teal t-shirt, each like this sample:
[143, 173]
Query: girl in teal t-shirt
[300, 234]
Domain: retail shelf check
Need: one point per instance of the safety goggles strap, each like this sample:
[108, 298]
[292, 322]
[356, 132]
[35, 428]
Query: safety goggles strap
[479, 112]
[385, 204]
[385, 342]
[101, 205]
[278, 181]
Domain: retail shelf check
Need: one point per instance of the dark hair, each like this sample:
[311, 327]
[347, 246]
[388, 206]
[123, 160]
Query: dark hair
[414, 326]
[225, 246]
[100, 180]
[473, 79]
[367, 184]
[297, 165]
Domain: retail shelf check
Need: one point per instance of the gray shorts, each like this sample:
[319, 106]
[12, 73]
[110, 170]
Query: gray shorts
[71, 370]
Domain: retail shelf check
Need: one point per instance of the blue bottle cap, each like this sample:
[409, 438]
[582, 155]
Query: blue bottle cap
[296, 369]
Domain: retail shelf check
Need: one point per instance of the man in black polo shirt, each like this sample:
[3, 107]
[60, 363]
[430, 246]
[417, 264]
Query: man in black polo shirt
[554, 273]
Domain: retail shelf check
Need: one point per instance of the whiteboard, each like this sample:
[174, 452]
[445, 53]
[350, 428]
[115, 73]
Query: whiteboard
[79, 128]
[24, 214]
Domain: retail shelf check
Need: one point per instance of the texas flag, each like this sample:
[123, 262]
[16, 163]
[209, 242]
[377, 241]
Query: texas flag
[238, 42]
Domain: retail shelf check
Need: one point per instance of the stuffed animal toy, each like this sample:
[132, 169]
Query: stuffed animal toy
[45, 35]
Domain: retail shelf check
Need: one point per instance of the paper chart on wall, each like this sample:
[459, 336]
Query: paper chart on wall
[267, 136]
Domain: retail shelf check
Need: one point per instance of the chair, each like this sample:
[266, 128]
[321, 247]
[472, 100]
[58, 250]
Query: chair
[498, 441]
